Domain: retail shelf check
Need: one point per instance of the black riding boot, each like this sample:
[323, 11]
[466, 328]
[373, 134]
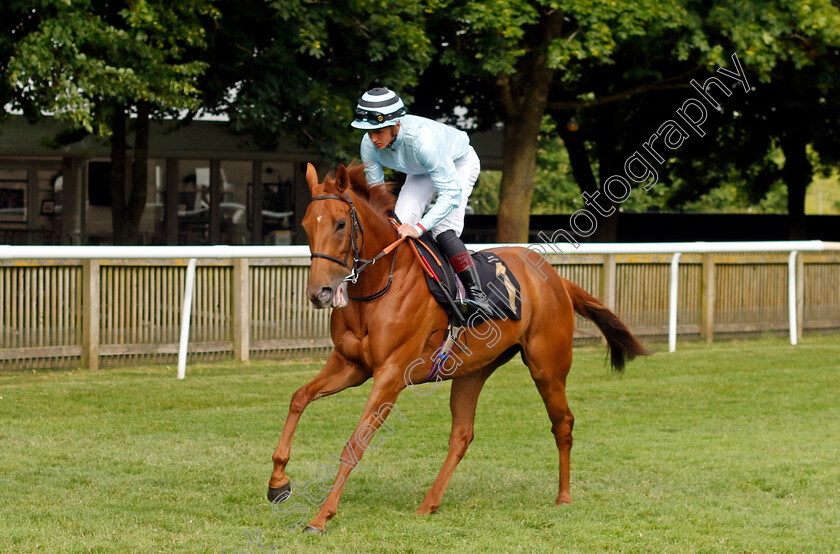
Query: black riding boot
[463, 264]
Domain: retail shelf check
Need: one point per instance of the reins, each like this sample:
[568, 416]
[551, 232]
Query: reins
[359, 264]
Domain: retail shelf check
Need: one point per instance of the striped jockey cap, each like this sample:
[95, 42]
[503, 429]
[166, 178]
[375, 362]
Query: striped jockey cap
[379, 107]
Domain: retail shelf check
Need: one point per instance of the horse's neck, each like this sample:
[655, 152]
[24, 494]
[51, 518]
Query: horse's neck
[378, 231]
[378, 234]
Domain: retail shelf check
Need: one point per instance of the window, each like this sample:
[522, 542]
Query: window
[13, 184]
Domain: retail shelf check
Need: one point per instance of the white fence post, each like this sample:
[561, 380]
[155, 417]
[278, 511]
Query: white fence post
[185, 319]
[792, 296]
[672, 316]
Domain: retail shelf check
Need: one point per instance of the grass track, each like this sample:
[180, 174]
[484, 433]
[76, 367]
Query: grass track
[728, 448]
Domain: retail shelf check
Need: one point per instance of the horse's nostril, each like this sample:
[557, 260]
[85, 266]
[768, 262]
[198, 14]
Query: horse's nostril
[326, 293]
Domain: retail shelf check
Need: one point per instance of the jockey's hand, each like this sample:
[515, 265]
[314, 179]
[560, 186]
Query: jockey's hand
[406, 230]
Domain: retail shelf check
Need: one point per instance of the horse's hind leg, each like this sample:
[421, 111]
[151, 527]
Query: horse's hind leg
[336, 375]
[463, 399]
[549, 360]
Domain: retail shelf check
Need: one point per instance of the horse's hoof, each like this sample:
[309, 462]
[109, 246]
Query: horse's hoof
[313, 530]
[280, 494]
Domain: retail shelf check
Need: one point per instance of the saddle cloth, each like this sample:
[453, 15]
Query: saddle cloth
[497, 282]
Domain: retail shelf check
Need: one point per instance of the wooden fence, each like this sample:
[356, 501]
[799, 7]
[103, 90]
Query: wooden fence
[92, 312]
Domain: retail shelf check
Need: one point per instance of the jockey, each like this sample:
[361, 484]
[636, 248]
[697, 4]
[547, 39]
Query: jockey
[437, 159]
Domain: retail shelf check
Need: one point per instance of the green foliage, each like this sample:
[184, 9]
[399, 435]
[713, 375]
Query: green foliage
[555, 190]
[823, 196]
[732, 198]
[772, 33]
[652, 49]
[86, 55]
[790, 51]
[485, 195]
[303, 77]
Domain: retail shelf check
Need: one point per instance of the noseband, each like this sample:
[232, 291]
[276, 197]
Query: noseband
[359, 263]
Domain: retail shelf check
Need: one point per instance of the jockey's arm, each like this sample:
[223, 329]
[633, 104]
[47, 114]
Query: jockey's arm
[374, 174]
[445, 178]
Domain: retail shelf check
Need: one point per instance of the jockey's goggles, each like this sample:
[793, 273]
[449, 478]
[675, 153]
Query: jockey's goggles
[378, 117]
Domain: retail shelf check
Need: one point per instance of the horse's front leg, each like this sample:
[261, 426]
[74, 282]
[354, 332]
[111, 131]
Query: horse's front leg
[380, 403]
[336, 375]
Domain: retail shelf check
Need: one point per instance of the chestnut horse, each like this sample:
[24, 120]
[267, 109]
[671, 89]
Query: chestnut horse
[385, 321]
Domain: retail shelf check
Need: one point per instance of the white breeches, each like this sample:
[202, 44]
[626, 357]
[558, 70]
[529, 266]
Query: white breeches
[418, 192]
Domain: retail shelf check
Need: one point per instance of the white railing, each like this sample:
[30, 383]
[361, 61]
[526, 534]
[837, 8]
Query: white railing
[679, 248]
[556, 250]
[149, 252]
[193, 253]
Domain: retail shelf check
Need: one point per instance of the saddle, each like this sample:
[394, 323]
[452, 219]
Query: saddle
[497, 282]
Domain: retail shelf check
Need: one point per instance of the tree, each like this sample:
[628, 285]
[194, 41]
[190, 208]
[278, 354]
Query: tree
[761, 139]
[16, 20]
[523, 53]
[515, 61]
[95, 63]
[297, 68]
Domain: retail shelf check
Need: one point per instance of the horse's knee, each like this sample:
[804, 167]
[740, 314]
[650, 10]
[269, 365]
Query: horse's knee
[460, 440]
[563, 430]
[300, 399]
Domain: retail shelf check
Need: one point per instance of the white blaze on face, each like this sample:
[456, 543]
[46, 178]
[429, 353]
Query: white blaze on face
[318, 219]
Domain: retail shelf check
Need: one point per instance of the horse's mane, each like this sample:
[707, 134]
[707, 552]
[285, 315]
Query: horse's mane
[380, 198]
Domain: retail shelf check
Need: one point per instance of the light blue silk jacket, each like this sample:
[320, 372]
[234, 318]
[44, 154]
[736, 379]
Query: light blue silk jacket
[422, 147]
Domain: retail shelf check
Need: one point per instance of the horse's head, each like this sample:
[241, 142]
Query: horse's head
[330, 224]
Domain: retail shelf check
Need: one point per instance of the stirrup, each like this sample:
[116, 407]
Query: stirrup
[483, 305]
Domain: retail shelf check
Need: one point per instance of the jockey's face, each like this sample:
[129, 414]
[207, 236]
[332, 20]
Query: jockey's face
[385, 136]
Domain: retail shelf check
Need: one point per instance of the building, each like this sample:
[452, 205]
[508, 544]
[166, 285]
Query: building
[204, 186]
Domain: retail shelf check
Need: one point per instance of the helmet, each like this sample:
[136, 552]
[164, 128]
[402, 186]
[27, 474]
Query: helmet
[379, 107]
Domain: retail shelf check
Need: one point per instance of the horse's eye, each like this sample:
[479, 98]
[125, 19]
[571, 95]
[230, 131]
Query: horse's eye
[340, 225]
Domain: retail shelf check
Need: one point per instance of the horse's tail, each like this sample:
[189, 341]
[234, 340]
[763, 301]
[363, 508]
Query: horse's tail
[623, 346]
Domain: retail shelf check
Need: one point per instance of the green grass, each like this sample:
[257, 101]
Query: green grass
[726, 448]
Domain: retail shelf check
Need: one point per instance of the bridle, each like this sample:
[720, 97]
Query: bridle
[355, 229]
[359, 263]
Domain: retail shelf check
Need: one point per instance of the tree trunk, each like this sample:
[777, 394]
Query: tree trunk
[582, 172]
[517, 186]
[126, 214]
[607, 230]
[579, 160]
[524, 105]
[117, 177]
[607, 166]
[797, 174]
[140, 173]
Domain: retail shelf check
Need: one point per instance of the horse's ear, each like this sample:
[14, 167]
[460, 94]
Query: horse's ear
[342, 179]
[312, 178]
